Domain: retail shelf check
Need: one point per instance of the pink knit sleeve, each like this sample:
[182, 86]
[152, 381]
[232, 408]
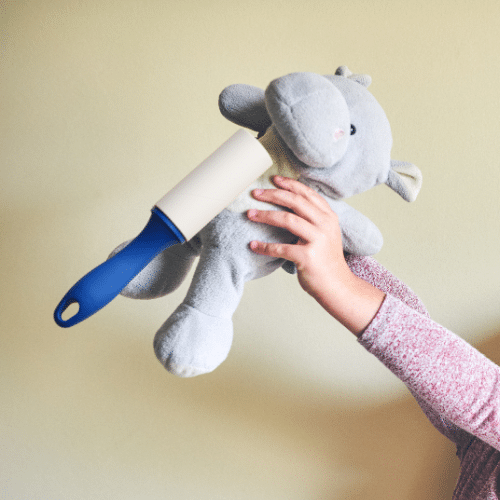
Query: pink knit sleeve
[371, 271]
[456, 386]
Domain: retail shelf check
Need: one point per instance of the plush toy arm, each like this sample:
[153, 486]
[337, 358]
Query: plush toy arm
[163, 274]
[245, 106]
[360, 236]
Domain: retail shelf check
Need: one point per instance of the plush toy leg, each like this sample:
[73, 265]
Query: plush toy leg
[192, 343]
[164, 273]
[197, 337]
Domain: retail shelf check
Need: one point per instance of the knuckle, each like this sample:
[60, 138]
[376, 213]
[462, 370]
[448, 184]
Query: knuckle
[309, 190]
[270, 249]
[281, 197]
[260, 246]
[308, 256]
[325, 204]
[329, 218]
[288, 218]
[277, 249]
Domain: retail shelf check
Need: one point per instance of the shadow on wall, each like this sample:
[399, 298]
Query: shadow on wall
[395, 449]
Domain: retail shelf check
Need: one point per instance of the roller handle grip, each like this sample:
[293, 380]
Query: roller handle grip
[101, 285]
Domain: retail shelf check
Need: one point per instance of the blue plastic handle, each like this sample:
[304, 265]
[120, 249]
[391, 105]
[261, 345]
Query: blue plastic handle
[101, 285]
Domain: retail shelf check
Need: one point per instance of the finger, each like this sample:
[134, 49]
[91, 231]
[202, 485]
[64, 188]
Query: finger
[276, 250]
[301, 199]
[286, 220]
[294, 202]
[312, 212]
[300, 189]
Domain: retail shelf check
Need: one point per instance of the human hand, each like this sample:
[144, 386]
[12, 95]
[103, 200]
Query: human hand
[318, 254]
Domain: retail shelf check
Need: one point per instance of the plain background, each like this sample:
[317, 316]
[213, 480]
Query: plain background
[104, 106]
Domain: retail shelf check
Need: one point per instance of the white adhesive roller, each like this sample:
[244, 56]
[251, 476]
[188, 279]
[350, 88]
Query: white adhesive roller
[176, 218]
[215, 183]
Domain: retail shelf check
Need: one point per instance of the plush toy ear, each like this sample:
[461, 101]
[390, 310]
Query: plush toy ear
[245, 105]
[405, 178]
[344, 71]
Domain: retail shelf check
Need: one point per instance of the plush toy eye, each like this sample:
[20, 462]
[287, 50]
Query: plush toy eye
[353, 129]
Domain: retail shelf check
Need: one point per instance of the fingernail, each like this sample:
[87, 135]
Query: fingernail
[253, 245]
[257, 192]
[252, 213]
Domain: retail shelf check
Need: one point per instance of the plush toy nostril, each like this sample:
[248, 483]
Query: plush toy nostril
[338, 134]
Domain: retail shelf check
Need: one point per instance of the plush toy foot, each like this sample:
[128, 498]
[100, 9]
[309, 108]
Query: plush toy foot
[191, 343]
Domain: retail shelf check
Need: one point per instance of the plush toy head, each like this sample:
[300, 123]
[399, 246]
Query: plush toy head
[337, 136]
[327, 131]
[331, 123]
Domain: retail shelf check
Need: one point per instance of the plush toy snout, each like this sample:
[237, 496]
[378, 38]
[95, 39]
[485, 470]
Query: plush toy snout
[312, 117]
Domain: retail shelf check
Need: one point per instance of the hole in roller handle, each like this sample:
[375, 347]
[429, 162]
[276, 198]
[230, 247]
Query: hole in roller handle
[101, 285]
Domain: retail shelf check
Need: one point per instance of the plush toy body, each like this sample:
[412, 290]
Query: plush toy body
[326, 131]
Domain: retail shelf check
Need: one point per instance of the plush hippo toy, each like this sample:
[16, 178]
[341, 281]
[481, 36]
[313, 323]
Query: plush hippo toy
[328, 132]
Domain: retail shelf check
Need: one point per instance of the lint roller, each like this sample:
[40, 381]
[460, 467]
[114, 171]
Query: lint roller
[175, 218]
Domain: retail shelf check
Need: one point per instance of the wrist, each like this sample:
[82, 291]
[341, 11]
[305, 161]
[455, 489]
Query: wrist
[352, 301]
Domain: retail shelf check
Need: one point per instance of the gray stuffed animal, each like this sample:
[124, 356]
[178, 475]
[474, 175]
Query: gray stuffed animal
[330, 133]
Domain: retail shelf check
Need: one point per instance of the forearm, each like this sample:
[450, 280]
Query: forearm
[362, 299]
[452, 377]
[377, 275]
[371, 271]
[352, 301]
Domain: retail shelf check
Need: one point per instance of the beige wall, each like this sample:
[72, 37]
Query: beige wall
[104, 105]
